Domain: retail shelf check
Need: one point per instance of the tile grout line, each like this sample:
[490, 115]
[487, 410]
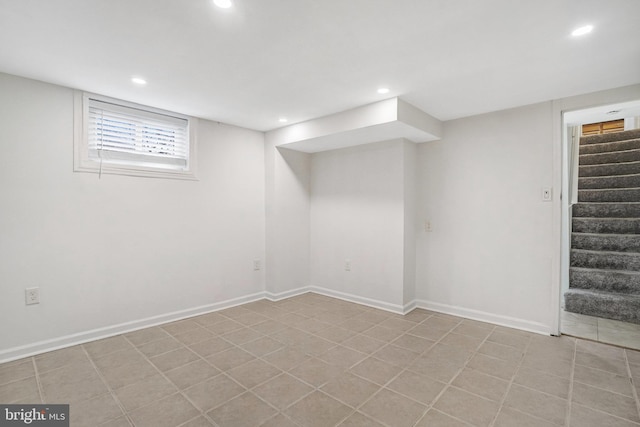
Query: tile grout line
[406, 369]
[36, 373]
[335, 344]
[634, 389]
[134, 347]
[569, 406]
[24, 360]
[381, 387]
[600, 328]
[353, 409]
[607, 390]
[202, 358]
[629, 377]
[104, 381]
[257, 357]
[450, 383]
[402, 332]
[249, 390]
[181, 392]
[607, 414]
[506, 393]
[318, 388]
[367, 355]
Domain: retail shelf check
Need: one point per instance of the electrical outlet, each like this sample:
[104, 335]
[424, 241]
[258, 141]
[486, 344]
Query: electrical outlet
[32, 296]
[427, 226]
[256, 265]
[347, 265]
[547, 194]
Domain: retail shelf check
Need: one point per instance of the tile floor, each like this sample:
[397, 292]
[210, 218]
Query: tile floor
[603, 330]
[316, 361]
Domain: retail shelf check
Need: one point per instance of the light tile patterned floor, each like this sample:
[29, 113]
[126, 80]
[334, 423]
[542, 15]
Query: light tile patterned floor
[603, 330]
[316, 361]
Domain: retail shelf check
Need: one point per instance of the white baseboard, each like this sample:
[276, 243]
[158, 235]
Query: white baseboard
[483, 316]
[287, 294]
[409, 307]
[110, 331]
[369, 302]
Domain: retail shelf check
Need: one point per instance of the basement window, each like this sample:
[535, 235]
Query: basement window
[119, 137]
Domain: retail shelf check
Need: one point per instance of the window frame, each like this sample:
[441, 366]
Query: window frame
[83, 163]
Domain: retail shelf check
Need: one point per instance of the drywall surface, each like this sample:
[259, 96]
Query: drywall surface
[411, 225]
[491, 245]
[287, 218]
[117, 249]
[357, 216]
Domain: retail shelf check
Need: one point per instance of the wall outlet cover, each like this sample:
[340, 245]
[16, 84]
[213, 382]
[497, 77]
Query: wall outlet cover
[32, 296]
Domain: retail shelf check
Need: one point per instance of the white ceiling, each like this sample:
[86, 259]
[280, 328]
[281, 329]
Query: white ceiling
[263, 59]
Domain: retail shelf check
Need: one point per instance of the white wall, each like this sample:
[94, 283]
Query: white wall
[119, 252]
[411, 223]
[357, 213]
[490, 252]
[287, 218]
[118, 249]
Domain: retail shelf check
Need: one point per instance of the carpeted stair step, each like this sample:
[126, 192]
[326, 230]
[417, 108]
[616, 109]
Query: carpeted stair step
[607, 210]
[614, 157]
[606, 225]
[620, 282]
[609, 169]
[608, 147]
[606, 242]
[605, 260]
[604, 274]
[609, 195]
[609, 137]
[615, 181]
[603, 304]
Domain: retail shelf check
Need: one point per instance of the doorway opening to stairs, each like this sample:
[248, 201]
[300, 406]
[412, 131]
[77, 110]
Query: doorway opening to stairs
[601, 224]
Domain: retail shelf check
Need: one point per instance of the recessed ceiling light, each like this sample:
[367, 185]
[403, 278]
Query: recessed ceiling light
[383, 90]
[139, 81]
[283, 120]
[582, 30]
[224, 4]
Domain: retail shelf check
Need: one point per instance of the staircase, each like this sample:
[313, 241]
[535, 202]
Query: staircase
[604, 277]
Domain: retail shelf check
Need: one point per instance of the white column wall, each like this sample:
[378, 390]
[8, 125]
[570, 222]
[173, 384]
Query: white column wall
[357, 214]
[287, 219]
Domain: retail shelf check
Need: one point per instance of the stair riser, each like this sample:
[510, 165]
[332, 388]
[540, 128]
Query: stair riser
[609, 169]
[623, 181]
[598, 225]
[626, 311]
[606, 261]
[617, 243]
[609, 137]
[604, 278]
[617, 282]
[610, 195]
[615, 157]
[609, 147]
[607, 210]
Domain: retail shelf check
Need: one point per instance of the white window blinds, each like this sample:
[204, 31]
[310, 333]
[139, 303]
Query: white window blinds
[124, 135]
